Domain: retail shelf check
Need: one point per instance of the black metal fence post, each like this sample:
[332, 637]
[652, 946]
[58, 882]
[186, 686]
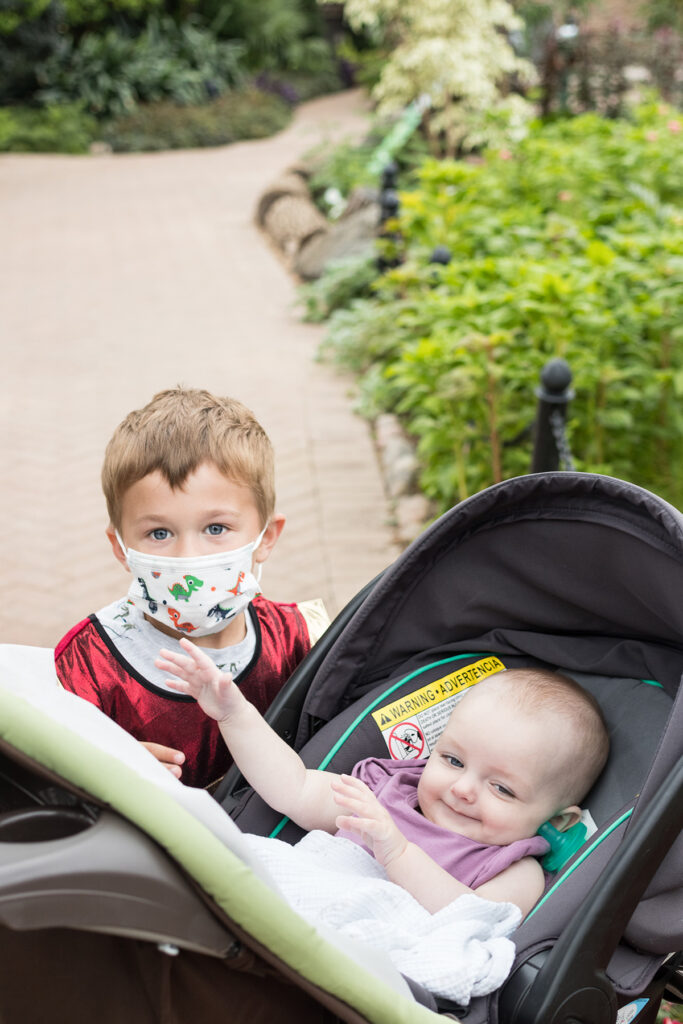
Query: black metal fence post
[551, 448]
[389, 208]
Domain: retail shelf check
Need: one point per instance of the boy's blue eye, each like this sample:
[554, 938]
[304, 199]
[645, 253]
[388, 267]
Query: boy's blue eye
[215, 529]
[453, 761]
[160, 534]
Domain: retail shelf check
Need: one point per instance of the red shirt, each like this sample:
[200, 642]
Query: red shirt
[89, 665]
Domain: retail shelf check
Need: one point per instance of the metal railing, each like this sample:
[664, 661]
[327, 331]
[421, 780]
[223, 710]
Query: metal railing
[551, 447]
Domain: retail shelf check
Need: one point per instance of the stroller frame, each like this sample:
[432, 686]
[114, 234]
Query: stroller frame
[568, 980]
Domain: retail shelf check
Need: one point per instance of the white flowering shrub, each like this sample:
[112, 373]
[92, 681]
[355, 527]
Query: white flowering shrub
[456, 53]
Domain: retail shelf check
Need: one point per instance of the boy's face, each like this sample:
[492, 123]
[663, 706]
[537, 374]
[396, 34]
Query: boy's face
[210, 513]
[490, 777]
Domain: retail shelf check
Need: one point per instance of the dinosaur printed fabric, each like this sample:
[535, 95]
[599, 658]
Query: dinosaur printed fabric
[196, 596]
[90, 664]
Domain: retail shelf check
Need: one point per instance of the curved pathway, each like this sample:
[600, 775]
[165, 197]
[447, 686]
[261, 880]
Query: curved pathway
[125, 274]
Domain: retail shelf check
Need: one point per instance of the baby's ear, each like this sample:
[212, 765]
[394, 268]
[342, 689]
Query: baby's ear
[566, 818]
[116, 547]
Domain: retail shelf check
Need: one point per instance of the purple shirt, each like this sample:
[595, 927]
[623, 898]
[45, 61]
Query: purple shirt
[394, 783]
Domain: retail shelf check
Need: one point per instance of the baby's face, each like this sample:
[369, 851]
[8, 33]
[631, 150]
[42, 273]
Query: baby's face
[490, 775]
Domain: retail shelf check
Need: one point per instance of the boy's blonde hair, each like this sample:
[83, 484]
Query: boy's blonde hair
[179, 430]
[537, 691]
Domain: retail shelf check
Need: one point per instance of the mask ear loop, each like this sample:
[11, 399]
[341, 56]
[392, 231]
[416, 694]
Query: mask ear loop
[259, 565]
[124, 550]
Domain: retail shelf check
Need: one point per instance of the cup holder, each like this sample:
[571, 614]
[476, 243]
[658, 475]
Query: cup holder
[41, 824]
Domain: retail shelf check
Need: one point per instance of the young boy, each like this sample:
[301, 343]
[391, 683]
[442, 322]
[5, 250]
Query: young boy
[189, 486]
[521, 748]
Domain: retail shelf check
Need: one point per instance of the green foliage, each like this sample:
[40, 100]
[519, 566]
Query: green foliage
[346, 166]
[73, 13]
[664, 14]
[97, 12]
[64, 129]
[342, 281]
[22, 51]
[278, 34]
[13, 13]
[112, 72]
[455, 53]
[248, 114]
[568, 245]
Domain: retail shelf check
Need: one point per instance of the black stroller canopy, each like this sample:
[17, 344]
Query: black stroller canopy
[576, 571]
[572, 569]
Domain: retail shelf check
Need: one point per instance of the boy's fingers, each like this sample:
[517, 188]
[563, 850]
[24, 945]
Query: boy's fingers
[168, 756]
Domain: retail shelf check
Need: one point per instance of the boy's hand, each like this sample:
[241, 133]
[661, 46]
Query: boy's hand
[169, 757]
[198, 677]
[368, 818]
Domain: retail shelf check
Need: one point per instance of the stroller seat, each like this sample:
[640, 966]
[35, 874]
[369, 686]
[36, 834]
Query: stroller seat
[105, 856]
[566, 570]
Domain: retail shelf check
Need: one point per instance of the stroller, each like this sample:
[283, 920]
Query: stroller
[133, 907]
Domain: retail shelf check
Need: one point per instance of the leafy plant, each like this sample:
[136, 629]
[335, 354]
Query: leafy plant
[73, 13]
[569, 245]
[277, 34]
[343, 281]
[30, 43]
[64, 129]
[112, 72]
[455, 52]
[245, 114]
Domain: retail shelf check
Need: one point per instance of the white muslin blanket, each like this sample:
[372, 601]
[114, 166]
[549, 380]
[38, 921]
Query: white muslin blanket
[461, 951]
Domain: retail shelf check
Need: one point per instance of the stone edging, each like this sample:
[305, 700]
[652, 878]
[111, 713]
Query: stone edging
[290, 219]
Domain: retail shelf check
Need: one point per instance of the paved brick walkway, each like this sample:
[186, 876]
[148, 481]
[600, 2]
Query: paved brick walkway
[122, 275]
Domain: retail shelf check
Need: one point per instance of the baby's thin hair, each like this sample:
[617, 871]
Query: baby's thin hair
[542, 691]
[177, 431]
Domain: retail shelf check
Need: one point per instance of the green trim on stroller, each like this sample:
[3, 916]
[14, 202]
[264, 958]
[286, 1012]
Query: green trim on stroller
[368, 710]
[412, 675]
[240, 894]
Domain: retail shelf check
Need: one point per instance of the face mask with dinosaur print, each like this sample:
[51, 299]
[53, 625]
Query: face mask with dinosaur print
[197, 596]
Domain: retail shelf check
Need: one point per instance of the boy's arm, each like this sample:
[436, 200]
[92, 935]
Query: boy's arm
[272, 768]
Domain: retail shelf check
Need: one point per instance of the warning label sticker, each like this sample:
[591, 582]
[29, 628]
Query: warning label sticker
[412, 724]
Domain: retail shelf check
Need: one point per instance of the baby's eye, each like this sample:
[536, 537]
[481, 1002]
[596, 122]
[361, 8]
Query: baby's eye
[160, 533]
[216, 529]
[453, 761]
[503, 790]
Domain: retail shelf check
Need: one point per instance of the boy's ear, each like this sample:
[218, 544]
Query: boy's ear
[116, 547]
[273, 531]
[566, 818]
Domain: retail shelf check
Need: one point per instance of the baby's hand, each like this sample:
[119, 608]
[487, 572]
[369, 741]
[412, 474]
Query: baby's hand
[198, 677]
[368, 818]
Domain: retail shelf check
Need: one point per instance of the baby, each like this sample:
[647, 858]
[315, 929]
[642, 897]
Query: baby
[521, 748]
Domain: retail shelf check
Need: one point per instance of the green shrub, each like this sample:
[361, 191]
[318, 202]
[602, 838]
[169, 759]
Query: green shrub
[65, 129]
[17, 13]
[249, 114]
[568, 245]
[342, 281]
[278, 34]
[346, 166]
[111, 72]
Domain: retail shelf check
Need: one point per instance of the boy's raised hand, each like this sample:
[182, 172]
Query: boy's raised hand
[368, 818]
[198, 677]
